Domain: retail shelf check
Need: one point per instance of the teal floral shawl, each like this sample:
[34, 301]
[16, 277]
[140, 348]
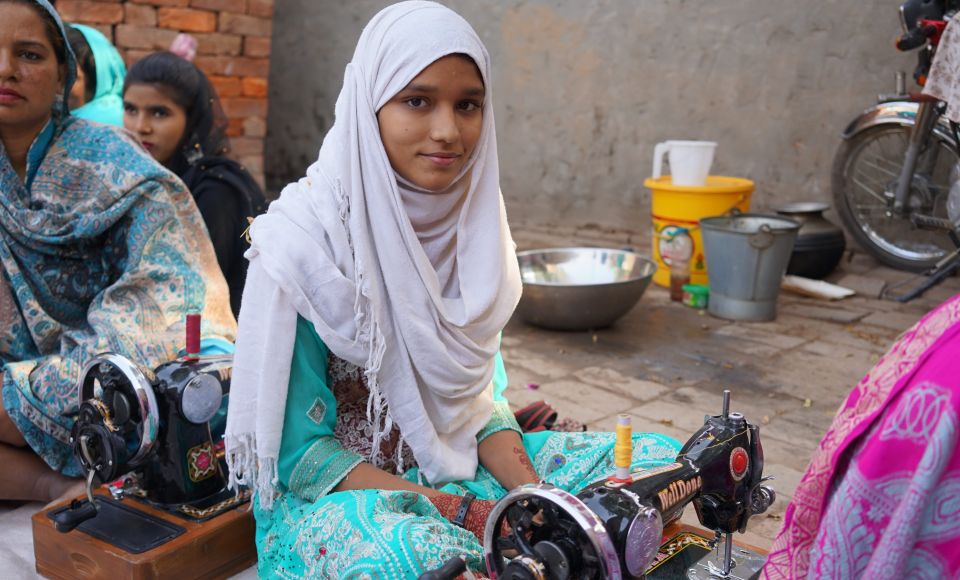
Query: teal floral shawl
[102, 249]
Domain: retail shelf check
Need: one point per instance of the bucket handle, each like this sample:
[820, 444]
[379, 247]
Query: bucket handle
[734, 211]
[763, 239]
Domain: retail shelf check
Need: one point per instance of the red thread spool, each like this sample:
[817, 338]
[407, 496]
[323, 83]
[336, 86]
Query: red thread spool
[193, 336]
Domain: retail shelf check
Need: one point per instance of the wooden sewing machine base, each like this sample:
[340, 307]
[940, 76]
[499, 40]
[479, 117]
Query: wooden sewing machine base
[685, 554]
[216, 548]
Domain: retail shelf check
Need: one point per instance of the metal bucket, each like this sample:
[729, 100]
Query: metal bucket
[747, 256]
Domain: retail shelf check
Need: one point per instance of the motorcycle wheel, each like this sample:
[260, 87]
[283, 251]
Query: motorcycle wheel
[864, 177]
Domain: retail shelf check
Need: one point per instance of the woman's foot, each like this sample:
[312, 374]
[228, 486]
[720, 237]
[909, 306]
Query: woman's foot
[63, 489]
[26, 477]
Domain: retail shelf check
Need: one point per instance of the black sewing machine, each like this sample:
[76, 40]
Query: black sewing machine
[148, 433]
[614, 528]
[154, 437]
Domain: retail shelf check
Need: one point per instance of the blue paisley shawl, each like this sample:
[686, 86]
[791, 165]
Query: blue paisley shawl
[102, 249]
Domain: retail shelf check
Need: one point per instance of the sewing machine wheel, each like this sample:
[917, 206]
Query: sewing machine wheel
[571, 543]
[119, 419]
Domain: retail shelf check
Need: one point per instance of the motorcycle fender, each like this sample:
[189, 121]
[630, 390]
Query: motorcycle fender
[893, 113]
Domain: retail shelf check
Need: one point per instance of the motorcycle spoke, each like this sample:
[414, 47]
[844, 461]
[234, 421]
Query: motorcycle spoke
[882, 180]
[861, 208]
[868, 214]
[890, 173]
[892, 158]
[866, 188]
[872, 181]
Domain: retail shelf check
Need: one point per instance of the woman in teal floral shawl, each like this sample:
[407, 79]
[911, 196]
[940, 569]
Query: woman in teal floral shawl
[101, 248]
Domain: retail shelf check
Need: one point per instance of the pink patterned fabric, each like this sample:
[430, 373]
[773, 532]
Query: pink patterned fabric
[881, 497]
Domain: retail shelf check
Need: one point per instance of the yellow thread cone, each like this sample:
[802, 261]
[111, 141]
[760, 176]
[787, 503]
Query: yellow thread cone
[623, 450]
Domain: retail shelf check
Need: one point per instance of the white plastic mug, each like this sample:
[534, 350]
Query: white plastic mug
[690, 161]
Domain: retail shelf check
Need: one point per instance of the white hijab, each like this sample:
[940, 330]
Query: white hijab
[412, 286]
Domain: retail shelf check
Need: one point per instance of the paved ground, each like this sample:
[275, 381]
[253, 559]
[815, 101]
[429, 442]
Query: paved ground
[667, 365]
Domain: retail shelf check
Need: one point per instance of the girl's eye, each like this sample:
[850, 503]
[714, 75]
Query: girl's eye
[28, 55]
[417, 102]
[160, 114]
[130, 109]
[469, 106]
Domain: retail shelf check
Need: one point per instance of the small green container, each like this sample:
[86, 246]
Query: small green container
[696, 295]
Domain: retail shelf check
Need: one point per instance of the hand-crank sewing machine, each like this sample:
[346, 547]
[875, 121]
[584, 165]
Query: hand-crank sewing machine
[167, 508]
[614, 528]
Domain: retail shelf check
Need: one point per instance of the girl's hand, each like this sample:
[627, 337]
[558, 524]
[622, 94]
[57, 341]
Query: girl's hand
[506, 459]
[477, 514]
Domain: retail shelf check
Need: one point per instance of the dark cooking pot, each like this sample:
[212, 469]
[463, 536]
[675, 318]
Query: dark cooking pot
[820, 244]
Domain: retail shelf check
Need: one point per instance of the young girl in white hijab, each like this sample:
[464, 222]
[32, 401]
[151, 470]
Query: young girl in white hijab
[367, 400]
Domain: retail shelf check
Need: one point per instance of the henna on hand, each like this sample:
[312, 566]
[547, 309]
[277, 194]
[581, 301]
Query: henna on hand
[524, 459]
[446, 504]
[477, 514]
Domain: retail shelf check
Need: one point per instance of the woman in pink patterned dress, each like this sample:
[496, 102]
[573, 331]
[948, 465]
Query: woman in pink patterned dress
[881, 497]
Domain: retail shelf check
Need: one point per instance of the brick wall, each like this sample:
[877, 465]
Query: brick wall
[233, 50]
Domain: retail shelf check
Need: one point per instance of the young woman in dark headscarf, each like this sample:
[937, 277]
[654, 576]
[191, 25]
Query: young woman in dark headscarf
[169, 103]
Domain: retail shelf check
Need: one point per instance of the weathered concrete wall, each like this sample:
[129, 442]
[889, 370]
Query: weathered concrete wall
[585, 88]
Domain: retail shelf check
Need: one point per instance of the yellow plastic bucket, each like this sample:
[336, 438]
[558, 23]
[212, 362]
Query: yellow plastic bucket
[681, 206]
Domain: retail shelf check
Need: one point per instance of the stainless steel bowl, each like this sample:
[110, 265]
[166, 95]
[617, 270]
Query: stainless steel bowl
[581, 288]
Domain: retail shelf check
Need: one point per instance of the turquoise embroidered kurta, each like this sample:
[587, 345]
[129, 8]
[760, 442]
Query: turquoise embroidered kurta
[312, 459]
[313, 532]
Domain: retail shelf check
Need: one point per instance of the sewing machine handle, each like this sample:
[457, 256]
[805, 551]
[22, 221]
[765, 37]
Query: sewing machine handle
[78, 512]
[451, 569]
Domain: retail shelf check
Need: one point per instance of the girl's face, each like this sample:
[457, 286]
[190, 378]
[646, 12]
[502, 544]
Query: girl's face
[155, 118]
[30, 76]
[431, 127]
[78, 92]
